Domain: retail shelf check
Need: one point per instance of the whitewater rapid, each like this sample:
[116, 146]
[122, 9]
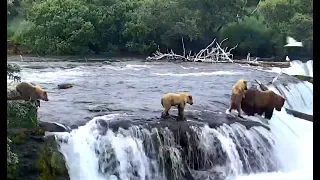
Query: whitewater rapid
[92, 155]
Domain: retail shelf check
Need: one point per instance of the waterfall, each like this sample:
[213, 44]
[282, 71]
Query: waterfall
[94, 151]
[293, 136]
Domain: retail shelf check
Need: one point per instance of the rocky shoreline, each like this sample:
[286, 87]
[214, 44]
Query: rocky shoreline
[38, 155]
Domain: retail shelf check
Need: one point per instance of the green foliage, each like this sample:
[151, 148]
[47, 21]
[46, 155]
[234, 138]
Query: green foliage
[141, 26]
[17, 28]
[60, 27]
[22, 115]
[12, 69]
[251, 35]
[290, 18]
[51, 163]
[12, 158]
[165, 22]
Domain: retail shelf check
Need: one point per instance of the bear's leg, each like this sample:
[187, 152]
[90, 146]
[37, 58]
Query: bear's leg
[181, 112]
[231, 107]
[166, 111]
[239, 111]
[268, 114]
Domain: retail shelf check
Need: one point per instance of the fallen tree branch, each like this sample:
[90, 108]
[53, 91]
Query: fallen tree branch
[213, 53]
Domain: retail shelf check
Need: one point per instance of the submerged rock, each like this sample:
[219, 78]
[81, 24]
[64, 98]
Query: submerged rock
[65, 86]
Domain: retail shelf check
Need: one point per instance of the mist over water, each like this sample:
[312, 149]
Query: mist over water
[101, 95]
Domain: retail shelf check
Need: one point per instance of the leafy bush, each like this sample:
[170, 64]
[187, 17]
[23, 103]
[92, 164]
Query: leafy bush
[251, 35]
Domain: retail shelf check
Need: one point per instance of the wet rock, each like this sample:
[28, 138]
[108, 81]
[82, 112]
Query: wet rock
[51, 163]
[54, 127]
[106, 62]
[183, 139]
[300, 115]
[65, 86]
[38, 157]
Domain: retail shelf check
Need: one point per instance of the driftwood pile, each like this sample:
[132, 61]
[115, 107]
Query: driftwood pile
[213, 53]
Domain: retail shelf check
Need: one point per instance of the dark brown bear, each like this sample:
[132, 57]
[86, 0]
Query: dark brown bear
[256, 101]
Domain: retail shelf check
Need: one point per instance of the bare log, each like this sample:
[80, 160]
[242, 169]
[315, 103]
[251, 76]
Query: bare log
[304, 78]
[300, 115]
[263, 63]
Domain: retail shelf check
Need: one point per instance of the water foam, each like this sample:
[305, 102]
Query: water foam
[200, 73]
[296, 68]
[95, 153]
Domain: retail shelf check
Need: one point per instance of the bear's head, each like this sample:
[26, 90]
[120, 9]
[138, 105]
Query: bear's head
[279, 101]
[189, 99]
[244, 84]
[41, 93]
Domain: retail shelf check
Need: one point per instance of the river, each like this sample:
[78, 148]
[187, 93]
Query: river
[132, 90]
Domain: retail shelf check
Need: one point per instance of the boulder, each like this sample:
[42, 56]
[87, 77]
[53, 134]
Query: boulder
[65, 86]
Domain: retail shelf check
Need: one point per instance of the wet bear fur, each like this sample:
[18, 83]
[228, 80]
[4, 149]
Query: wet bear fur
[261, 102]
[237, 95]
[175, 99]
[31, 92]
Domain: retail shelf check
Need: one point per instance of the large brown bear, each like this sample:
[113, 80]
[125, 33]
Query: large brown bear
[237, 95]
[176, 99]
[30, 91]
[256, 101]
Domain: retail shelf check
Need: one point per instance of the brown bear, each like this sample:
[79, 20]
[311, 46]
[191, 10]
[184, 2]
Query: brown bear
[31, 92]
[237, 96]
[256, 101]
[176, 99]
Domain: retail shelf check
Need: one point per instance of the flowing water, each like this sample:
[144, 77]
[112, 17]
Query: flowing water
[131, 91]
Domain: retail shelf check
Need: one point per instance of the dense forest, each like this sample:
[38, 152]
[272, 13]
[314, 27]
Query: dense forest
[66, 27]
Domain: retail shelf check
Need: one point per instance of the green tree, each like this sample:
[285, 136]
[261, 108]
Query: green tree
[61, 27]
[251, 35]
[290, 18]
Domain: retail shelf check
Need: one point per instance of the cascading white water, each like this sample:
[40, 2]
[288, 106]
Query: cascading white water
[93, 152]
[294, 136]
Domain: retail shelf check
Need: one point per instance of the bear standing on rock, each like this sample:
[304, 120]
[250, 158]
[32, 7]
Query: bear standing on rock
[256, 101]
[237, 96]
[176, 99]
[31, 92]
